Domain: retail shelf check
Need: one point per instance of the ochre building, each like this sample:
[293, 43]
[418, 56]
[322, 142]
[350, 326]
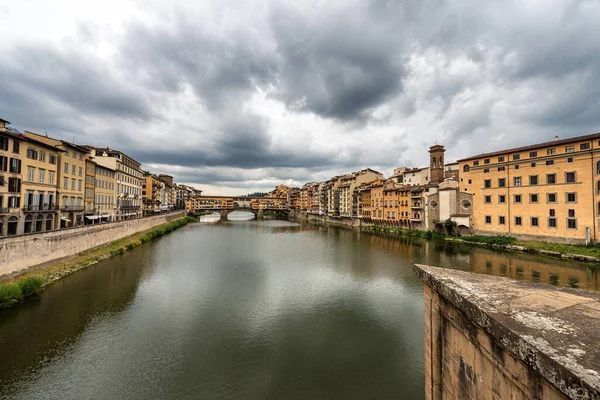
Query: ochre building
[546, 191]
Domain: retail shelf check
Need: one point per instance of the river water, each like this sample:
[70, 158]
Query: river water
[244, 310]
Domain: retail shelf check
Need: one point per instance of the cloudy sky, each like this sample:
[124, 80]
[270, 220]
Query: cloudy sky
[235, 96]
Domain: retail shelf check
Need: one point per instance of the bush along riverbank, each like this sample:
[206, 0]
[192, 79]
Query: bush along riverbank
[589, 253]
[31, 282]
[429, 235]
[585, 253]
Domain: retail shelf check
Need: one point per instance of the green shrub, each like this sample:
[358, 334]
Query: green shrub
[9, 295]
[31, 285]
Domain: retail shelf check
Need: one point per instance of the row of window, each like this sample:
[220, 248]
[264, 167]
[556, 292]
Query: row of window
[12, 165]
[12, 201]
[74, 153]
[4, 144]
[534, 222]
[534, 198]
[73, 169]
[102, 184]
[41, 175]
[570, 177]
[40, 155]
[534, 154]
[73, 183]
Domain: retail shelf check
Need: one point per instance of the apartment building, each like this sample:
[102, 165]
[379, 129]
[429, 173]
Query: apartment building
[168, 195]
[10, 179]
[546, 191]
[377, 202]
[129, 178]
[39, 193]
[71, 166]
[348, 201]
[152, 188]
[89, 195]
[104, 193]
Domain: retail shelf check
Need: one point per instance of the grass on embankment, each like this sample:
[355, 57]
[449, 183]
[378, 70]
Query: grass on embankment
[552, 249]
[31, 282]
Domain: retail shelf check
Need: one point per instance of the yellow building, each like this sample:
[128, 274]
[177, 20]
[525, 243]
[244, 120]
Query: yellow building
[39, 193]
[377, 202]
[151, 193]
[104, 193]
[348, 203]
[404, 209]
[71, 190]
[10, 179]
[89, 195]
[547, 191]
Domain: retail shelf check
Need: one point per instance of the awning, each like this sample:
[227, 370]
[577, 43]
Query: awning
[128, 214]
[92, 216]
[65, 219]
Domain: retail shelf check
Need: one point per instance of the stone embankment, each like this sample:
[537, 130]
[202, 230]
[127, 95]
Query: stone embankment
[22, 252]
[525, 249]
[492, 337]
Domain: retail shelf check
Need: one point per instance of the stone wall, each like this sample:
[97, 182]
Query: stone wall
[21, 252]
[493, 338]
[537, 238]
[297, 215]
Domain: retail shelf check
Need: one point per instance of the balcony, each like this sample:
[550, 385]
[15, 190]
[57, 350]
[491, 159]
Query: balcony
[4, 210]
[416, 218]
[72, 208]
[40, 207]
[417, 206]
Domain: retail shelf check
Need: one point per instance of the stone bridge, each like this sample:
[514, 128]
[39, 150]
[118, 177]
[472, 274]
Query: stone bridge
[225, 205]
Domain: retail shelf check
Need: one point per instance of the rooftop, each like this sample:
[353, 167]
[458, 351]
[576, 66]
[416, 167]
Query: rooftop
[535, 146]
[552, 330]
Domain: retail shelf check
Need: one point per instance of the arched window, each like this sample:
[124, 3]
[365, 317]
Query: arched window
[49, 222]
[28, 224]
[434, 162]
[466, 204]
[598, 208]
[12, 225]
[598, 167]
[39, 223]
[598, 187]
[466, 168]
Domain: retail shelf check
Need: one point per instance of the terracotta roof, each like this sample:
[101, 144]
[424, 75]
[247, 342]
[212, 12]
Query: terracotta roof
[5, 121]
[534, 146]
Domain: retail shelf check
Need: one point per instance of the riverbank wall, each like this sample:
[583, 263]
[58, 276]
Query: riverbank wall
[493, 337]
[22, 252]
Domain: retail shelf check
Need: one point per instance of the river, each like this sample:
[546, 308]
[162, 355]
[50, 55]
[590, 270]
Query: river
[244, 310]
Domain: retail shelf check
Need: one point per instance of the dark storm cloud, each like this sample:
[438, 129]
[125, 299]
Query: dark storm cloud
[218, 66]
[64, 82]
[337, 67]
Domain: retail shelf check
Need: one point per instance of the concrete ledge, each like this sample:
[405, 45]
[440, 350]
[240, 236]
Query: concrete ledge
[19, 253]
[554, 331]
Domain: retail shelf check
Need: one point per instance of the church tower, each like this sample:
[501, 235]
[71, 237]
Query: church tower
[436, 163]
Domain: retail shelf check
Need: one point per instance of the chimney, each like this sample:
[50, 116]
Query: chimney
[555, 138]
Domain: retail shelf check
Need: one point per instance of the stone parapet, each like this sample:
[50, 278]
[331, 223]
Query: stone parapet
[21, 252]
[490, 337]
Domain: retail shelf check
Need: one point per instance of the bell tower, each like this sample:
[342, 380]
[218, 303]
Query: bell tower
[436, 163]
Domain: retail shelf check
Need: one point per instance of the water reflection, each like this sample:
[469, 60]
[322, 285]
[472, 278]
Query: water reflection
[245, 309]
